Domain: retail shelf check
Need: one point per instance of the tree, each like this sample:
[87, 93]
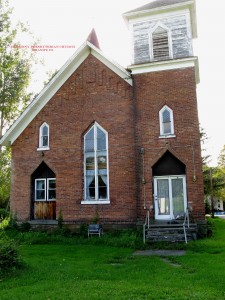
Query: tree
[221, 158]
[203, 139]
[5, 159]
[15, 69]
[15, 73]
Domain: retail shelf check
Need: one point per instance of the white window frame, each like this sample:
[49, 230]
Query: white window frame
[162, 134]
[46, 189]
[170, 45]
[41, 147]
[37, 180]
[96, 200]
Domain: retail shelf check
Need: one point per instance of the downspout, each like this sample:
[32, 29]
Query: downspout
[136, 150]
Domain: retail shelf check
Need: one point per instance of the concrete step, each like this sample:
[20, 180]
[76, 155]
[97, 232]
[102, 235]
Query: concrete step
[169, 232]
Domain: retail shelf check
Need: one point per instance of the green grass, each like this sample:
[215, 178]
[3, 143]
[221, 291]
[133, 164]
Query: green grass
[92, 269]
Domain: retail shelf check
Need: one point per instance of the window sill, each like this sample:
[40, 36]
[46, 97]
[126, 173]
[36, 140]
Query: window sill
[167, 136]
[44, 200]
[95, 202]
[43, 149]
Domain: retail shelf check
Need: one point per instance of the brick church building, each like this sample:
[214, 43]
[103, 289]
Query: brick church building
[102, 139]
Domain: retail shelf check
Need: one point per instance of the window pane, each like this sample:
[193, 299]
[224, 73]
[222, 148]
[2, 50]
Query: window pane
[89, 141]
[45, 130]
[167, 128]
[178, 196]
[51, 195]
[44, 141]
[166, 116]
[40, 195]
[40, 184]
[102, 192]
[163, 196]
[90, 193]
[52, 184]
[90, 163]
[102, 162]
[102, 187]
[89, 145]
[101, 139]
[90, 187]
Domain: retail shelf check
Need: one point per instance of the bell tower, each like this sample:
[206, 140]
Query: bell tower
[165, 73]
[162, 30]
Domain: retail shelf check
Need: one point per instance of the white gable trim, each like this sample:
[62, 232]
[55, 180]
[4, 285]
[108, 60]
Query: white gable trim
[54, 85]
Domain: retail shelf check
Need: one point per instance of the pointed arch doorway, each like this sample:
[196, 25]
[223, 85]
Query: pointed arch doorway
[43, 193]
[170, 195]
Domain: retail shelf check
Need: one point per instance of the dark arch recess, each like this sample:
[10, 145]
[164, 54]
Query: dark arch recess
[168, 164]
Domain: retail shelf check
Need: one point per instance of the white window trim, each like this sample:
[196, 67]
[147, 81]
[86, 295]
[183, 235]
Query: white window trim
[162, 134]
[96, 201]
[160, 24]
[48, 179]
[45, 190]
[41, 147]
[36, 180]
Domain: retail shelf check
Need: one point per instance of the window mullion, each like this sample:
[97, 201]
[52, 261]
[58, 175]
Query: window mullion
[96, 165]
[46, 189]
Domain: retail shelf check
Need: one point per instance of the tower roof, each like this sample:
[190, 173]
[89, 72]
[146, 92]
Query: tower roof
[157, 4]
[93, 39]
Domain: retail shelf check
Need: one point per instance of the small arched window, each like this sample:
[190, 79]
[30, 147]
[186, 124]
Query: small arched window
[166, 121]
[44, 136]
[160, 43]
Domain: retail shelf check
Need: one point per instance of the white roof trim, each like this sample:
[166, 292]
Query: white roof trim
[54, 85]
[190, 4]
[167, 65]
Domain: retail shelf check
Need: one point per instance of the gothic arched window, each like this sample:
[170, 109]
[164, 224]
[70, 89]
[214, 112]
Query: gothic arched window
[96, 186]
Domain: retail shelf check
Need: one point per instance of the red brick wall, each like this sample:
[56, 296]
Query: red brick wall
[95, 93]
[92, 93]
[176, 89]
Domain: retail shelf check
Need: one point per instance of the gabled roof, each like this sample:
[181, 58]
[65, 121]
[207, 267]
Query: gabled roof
[54, 85]
[156, 4]
[164, 6]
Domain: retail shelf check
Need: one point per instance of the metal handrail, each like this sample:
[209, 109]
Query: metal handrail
[147, 223]
[186, 219]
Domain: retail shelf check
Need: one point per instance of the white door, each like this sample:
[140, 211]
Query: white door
[170, 197]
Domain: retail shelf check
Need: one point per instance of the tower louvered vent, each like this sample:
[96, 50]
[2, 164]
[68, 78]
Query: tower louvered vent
[160, 43]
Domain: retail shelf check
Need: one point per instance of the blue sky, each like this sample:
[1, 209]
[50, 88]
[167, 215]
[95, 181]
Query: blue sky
[69, 22]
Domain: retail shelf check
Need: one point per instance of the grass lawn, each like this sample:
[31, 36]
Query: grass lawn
[97, 271]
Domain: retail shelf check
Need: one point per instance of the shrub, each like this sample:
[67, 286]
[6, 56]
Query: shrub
[4, 213]
[60, 219]
[25, 227]
[9, 255]
[9, 223]
[83, 230]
